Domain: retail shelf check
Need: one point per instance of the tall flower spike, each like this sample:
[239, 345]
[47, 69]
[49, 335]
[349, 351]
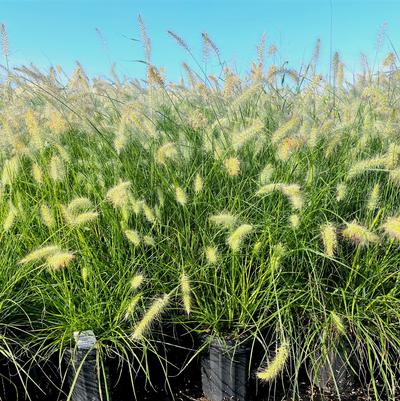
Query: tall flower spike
[155, 309]
[329, 239]
[40, 253]
[198, 184]
[133, 236]
[180, 196]
[225, 220]
[392, 227]
[118, 195]
[236, 238]
[276, 365]
[47, 216]
[341, 191]
[59, 259]
[232, 166]
[186, 293]
[211, 253]
[359, 234]
[373, 198]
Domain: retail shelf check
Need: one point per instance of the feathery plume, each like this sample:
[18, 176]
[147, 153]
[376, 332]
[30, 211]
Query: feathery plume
[133, 236]
[148, 240]
[373, 198]
[136, 281]
[47, 216]
[59, 259]
[155, 309]
[237, 236]
[10, 218]
[329, 239]
[232, 166]
[239, 139]
[277, 253]
[40, 253]
[284, 129]
[131, 306]
[118, 195]
[186, 292]
[362, 166]
[392, 227]
[10, 170]
[211, 253]
[148, 213]
[266, 174]
[79, 204]
[293, 192]
[56, 169]
[180, 196]
[226, 220]
[37, 173]
[198, 184]
[166, 152]
[359, 234]
[276, 365]
[83, 218]
[294, 220]
[341, 191]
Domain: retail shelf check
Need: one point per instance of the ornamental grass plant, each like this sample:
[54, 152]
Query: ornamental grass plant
[262, 209]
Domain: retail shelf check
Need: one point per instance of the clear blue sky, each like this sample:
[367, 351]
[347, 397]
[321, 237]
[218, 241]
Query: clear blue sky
[50, 32]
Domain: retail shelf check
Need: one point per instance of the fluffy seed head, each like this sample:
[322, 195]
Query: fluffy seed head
[59, 259]
[148, 213]
[359, 234]
[165, 152]
[237, 236]
[79, 204]
[293, 192]
[341, 191]
[133, 236]
[186, 292]
[225, 220]
[155, 309]
[198, 184]
[392, 227]
[37, 173]
[211, 253]
[40, 253]
[266, 174]
[276, 365]
[373, 198]
[118, 196]
[47, 216]
[56, 169]
[137, 281]
[294, 220]
[148, 240]
[180, 196]
[10, 218]
[277, 253]
[232, 166]
[10, 170]
[284, 129]
[329, 239]
[83, 218]
[364, 165]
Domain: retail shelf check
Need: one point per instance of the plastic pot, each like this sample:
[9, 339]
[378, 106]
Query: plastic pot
[333, 373]
[225, 371]
[84, 374]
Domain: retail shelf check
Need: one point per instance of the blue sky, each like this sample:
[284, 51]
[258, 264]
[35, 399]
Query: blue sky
[50, 32]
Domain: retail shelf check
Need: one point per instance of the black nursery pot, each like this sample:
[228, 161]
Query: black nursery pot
[225, 371]
[334, 373]
[83, 375]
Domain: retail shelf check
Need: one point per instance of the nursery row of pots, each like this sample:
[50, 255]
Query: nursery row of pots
[223, 370]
